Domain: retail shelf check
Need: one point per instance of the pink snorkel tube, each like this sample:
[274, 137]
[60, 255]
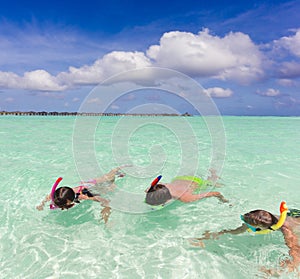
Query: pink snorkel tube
[52, 204]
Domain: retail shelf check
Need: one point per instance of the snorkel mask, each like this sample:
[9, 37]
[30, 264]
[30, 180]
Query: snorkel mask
[52, 204]
[283, 213]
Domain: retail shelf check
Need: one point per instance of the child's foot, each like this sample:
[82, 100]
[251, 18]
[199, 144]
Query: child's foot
[222, 199]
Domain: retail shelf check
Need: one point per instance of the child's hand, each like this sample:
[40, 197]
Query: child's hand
[271, 271]
[196, 242]
[289, 264]
[209, 235]
[40, 207]
[105, 212]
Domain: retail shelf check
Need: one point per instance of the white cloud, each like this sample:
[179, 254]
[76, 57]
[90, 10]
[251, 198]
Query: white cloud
[190, 53]
[270, 92]
[233, 57]
[218, 92]
[34, 80]
[291, 43]
[9, 80]
[111, 64]
[41, 80]
[119, 61]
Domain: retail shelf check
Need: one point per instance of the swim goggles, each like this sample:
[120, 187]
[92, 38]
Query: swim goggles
[283, 213]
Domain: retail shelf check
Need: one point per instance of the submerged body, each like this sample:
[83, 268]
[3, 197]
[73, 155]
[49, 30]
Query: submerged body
[185, 191]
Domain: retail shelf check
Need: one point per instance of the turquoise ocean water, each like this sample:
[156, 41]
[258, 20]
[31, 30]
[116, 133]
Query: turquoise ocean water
[259, 166]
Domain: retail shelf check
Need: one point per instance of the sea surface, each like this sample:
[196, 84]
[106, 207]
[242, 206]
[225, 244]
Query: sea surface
[257, 159]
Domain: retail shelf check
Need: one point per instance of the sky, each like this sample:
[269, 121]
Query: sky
[244, 54]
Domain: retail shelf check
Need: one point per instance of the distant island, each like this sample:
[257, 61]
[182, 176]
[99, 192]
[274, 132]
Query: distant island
[55, 113]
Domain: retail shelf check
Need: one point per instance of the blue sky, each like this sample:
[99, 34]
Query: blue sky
[245, 54]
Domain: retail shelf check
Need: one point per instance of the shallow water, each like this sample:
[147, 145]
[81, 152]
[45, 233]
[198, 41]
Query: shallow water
[259, 165]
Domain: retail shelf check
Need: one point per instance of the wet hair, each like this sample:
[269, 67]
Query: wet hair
[158, 195]
[260, 218]
[62, 195]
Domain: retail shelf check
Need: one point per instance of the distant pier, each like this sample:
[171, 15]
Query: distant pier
[55, 113]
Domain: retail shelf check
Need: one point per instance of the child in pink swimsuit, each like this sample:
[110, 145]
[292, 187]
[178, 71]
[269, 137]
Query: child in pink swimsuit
[65, 197]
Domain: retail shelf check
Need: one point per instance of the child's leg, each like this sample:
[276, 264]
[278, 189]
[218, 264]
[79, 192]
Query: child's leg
[212, 194]
[105, 182]
[219, 196]
[108, 177]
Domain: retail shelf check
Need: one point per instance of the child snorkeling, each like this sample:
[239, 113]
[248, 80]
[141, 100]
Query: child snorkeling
[263, 222]
[65, 197]
[183, 188]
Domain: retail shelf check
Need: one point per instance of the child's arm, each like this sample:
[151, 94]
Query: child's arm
[106, 210]
[291, 264]
[103, 201]
[292, 242]
[238, 230]
[89, 196]
[215, 235]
